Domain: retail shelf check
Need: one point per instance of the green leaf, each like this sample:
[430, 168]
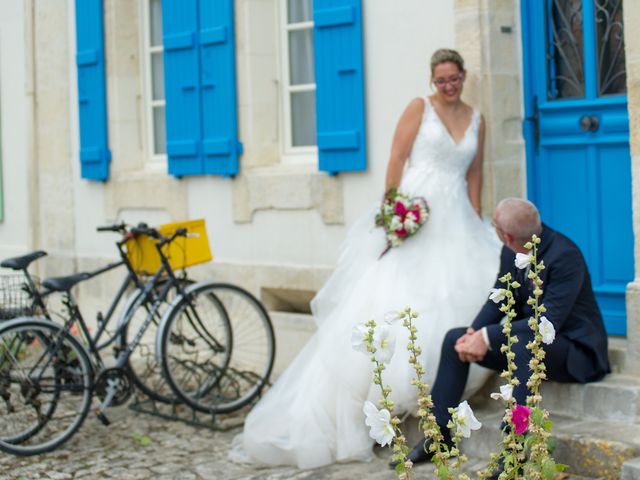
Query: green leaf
[537, 416]
[142, 440]
[549, 469]
[551, 444]
[561, 467]
[443, 472]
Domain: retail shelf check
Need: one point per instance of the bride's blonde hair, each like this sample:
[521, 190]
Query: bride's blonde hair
[445, 55]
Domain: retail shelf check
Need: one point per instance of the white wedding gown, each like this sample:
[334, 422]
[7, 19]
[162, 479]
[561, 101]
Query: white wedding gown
[312, 416]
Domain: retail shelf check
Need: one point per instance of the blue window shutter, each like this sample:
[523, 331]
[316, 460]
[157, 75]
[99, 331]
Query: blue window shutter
[92, 97]
[182, 86]
[339, 85]
[220, 144]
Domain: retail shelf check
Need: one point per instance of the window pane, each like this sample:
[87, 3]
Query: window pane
[159, 132]
[155, 22]
[301, 57]
[303, 118]
[612, 75]
[565, 49]
[157, 76]
[299, 11]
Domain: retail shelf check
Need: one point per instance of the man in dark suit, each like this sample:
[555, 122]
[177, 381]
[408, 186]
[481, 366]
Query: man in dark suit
[578, 353]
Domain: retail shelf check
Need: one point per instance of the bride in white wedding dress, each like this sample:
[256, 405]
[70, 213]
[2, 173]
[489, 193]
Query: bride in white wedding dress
[312, 416]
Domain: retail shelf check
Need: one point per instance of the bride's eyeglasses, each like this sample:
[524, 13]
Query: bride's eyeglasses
[454, 81]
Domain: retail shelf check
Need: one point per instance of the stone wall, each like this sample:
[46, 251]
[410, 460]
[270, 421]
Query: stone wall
[632, 47]
[488, 37]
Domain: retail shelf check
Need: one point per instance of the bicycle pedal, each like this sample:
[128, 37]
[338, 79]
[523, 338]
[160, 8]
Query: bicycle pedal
[103, 418]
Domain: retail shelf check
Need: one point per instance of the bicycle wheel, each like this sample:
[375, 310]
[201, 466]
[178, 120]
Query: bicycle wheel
[45, 386]
[145, 369]
[208, 386]
[14, 345]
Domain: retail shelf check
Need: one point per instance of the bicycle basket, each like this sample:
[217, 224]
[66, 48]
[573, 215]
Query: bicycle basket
[182, 252]
[15, 298]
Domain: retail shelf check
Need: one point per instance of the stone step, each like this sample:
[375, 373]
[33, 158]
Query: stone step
[292, 331]
[631, 469]
[615, 398]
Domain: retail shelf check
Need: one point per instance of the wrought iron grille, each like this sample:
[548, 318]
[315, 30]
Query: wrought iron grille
[612, 73]
[565, 49]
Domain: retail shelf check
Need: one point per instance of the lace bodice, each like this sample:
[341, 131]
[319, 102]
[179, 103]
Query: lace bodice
[435, 150]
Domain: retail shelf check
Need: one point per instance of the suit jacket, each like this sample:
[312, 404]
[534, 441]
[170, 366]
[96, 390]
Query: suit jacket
[569, 300]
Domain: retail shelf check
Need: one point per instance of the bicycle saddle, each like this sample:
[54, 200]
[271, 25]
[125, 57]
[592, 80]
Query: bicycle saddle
[21, 263]
[64, 284]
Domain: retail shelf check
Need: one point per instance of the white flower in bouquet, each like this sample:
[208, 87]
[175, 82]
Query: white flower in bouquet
[506, 393]
[547, 330]
[522, 260]
[497, 295]
[394, 240]
[466, 420]
[409, 224]
[384, 341]
[358, 335]
[379, 422]
[396, 223]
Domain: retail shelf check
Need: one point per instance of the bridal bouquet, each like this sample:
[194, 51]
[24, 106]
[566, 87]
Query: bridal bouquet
[401, 217]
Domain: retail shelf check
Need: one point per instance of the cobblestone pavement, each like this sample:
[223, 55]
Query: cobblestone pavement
[140, 446]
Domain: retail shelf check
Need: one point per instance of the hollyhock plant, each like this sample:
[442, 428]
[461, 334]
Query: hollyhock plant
[401, 217]
[520, 416]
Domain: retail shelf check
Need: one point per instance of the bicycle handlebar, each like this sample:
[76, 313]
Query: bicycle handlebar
[116, 227]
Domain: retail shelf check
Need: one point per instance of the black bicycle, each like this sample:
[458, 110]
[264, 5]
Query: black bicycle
[50, 371]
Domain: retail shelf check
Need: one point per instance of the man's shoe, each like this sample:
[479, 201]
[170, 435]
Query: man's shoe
[419, 454]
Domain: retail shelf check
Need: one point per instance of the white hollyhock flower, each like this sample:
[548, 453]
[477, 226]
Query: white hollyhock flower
[391, 317]
[466, 420]
[497, 295]
[358, 338]
[547, 330]
[379, 423]
[506, 393]
[522, 260]
[384, 341]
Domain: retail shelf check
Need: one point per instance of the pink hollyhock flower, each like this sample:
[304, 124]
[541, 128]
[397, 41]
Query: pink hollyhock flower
[400, 209]
[520, 417]
[401, 233]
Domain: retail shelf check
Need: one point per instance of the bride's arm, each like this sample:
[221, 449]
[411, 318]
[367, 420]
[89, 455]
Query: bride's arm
[474, 174]
[403, 139]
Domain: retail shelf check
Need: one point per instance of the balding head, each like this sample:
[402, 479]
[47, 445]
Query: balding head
[518, 218]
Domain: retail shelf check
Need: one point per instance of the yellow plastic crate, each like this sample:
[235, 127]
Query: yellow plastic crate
[182, 252]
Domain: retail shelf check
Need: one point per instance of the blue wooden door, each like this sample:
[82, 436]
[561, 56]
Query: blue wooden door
[577, 136]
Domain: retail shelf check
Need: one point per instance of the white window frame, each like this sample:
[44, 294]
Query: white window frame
[290, 153]
[153, 161]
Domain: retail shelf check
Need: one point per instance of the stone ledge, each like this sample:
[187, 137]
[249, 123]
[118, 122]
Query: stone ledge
[631, 469]
[287, 188]
[139, 190]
